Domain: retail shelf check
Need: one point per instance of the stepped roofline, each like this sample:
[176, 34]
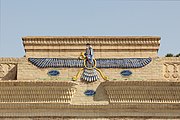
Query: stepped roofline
[55, 45]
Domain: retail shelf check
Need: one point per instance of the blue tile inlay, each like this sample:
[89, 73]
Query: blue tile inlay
[126, 73]
[90, 92]
[53, 73]
[100, 63]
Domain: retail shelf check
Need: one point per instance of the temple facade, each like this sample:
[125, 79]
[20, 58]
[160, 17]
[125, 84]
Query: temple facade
[90, 77]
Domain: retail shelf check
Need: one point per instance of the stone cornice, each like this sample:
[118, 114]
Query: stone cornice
[72, 46]
[9, 60]
[37, 83]
[140, 83]
[116, 40]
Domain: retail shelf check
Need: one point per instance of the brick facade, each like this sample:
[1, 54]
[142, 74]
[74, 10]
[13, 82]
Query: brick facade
[149, 92]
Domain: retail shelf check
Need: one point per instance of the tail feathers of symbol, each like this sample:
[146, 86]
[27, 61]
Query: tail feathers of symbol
[90, 75]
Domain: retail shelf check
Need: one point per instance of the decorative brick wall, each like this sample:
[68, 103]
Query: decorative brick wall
[155, 71]
[152, 91]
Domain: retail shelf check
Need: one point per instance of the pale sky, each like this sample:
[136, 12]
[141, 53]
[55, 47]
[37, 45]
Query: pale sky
[88, 18]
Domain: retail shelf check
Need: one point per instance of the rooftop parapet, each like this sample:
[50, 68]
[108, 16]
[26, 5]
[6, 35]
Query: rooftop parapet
[104, 46]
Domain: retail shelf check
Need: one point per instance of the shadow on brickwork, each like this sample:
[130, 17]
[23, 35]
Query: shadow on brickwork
[100, 94]
[11, 75]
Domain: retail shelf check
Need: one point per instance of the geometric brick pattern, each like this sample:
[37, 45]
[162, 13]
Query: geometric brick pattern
[143, 92]
[45, 92]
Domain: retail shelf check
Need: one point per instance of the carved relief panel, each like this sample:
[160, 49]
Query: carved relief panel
[172, 70]
[8, 71]
[1, 71]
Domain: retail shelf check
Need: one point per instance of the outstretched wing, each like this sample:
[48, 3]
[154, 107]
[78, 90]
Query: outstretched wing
[100, 63]
[123, 63]
[56, 62]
